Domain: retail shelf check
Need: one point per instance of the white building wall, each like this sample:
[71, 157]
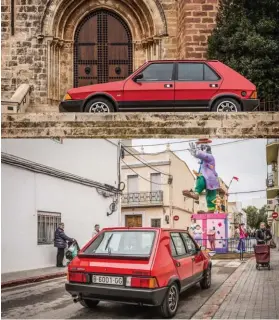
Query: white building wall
[24, 193]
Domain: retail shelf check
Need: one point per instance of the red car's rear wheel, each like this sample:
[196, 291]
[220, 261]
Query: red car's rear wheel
[226, 105]
[170, 304]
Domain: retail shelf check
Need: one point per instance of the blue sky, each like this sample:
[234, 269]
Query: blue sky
[243, 159]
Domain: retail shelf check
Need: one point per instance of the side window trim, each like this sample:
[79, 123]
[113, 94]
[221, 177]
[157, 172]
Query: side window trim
[151, 81]
[183, 255]
[204, 64]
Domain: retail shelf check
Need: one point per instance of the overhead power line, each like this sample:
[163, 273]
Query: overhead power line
[146, 163]
[252, 191]
[188, 149]
[160, 144]
[160, 184]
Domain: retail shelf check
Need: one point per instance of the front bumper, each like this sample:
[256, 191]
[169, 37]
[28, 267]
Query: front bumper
[71, 106]
[149, 297]
[250, 104]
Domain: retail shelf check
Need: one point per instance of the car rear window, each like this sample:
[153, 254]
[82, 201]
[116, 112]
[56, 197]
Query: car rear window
[196, 72]
[122, 243]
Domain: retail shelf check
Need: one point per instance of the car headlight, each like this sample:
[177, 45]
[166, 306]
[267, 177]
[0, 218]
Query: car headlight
[67, 97]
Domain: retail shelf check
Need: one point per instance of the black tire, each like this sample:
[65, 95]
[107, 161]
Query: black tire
[269, 267]
[226, 105]
[99, 105]
[206, 281]
[168, 309]
[90, 304]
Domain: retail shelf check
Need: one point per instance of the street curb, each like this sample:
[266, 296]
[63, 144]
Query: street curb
[211, 306]
[14, 283]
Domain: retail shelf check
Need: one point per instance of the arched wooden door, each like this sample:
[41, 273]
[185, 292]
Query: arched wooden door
[103, 49]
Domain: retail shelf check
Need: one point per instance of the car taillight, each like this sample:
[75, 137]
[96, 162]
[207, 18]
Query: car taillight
[138, 282]
[254, 95]
[77, 277]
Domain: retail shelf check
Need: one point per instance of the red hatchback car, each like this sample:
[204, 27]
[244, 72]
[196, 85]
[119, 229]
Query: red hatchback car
[168, 86]
[144, 266]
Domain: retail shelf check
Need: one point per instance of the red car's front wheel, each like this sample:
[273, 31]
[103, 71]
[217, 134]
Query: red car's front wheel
[99, 105]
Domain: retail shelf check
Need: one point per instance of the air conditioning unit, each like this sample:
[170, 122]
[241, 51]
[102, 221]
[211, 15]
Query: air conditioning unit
[270, 205]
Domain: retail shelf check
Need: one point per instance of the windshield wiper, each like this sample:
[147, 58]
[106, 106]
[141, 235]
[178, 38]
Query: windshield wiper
[108, 242]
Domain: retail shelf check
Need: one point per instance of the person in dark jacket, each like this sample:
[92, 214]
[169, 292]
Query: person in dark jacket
[60, 242]
[263, 235]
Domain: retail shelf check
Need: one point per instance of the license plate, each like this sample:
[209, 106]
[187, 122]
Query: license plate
[118, 281]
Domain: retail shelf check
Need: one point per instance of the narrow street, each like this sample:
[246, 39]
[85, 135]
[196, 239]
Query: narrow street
[49, 300]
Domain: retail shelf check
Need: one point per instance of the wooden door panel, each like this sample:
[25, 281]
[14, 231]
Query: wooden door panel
[103, 45]
[133, 221]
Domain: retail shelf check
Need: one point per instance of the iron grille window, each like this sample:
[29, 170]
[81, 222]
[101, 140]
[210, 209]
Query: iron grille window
[47, 224]
[156, 223]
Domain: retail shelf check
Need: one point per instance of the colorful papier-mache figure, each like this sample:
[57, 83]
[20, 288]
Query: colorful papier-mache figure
[207, 177]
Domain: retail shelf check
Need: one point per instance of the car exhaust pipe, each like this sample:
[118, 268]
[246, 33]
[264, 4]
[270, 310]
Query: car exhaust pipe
[76, 299]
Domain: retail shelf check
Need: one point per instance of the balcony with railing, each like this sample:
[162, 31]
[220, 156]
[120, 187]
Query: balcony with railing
[272, 149]
[142, 199]
[272, 185]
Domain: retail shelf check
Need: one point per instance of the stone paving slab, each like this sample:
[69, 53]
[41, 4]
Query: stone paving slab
[246, 294]
[141, 125]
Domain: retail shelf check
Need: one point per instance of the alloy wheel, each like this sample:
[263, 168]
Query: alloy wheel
[173, 298]
[226, 106]
[99, 107]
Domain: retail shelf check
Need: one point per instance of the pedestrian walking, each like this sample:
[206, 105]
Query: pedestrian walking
[60, 242]
[242, 237]
[263, 235]
[211, 238]
[96, 230]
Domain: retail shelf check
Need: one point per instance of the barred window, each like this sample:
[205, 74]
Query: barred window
[47, 224]
[156, 223]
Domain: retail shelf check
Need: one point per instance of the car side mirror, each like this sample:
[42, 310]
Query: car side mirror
[138, 77]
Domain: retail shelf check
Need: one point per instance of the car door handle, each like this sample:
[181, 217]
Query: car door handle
[193, 259]
[178, 264]
[213, 85]
[168, 85]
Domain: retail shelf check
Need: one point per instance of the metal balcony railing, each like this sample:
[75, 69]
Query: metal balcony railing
[271, 181]
[142, 198]
[270, 141]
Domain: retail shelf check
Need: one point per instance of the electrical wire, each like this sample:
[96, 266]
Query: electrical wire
[159, 144]
[146, 163]
[42, 169]
[165, 151]
[253, 191]
[160, 184]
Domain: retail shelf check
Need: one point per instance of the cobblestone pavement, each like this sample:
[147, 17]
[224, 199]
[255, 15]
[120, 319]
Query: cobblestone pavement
[49, 300]
[246, 294]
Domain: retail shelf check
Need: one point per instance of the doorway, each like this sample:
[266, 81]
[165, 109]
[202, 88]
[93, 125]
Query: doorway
[133, 221]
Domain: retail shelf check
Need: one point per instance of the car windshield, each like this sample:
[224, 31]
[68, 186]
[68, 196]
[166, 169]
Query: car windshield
[131, 242]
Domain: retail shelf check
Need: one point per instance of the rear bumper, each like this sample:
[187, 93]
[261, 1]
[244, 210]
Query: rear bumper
[150, 297]
[250, 104]
[71, 106]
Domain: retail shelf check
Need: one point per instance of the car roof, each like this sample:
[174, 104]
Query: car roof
[185, 60]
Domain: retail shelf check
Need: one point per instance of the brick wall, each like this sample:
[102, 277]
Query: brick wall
[196, 19]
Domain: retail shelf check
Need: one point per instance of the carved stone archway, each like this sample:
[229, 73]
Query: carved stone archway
[144, 18]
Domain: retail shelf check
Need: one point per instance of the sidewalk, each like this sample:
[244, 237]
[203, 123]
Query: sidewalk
[246, 294]
[29, 276]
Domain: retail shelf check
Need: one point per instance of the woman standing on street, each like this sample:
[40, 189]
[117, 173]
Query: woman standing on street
[242, 237]
[263, 235]
[211, 238]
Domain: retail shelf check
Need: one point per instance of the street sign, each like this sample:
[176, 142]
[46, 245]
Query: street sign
[176, 218]
[275, 215]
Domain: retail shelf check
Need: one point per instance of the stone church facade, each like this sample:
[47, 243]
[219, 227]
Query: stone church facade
[54, 45]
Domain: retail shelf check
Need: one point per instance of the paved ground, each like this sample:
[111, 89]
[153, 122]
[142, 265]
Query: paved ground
[48, 300]
[255, 295]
